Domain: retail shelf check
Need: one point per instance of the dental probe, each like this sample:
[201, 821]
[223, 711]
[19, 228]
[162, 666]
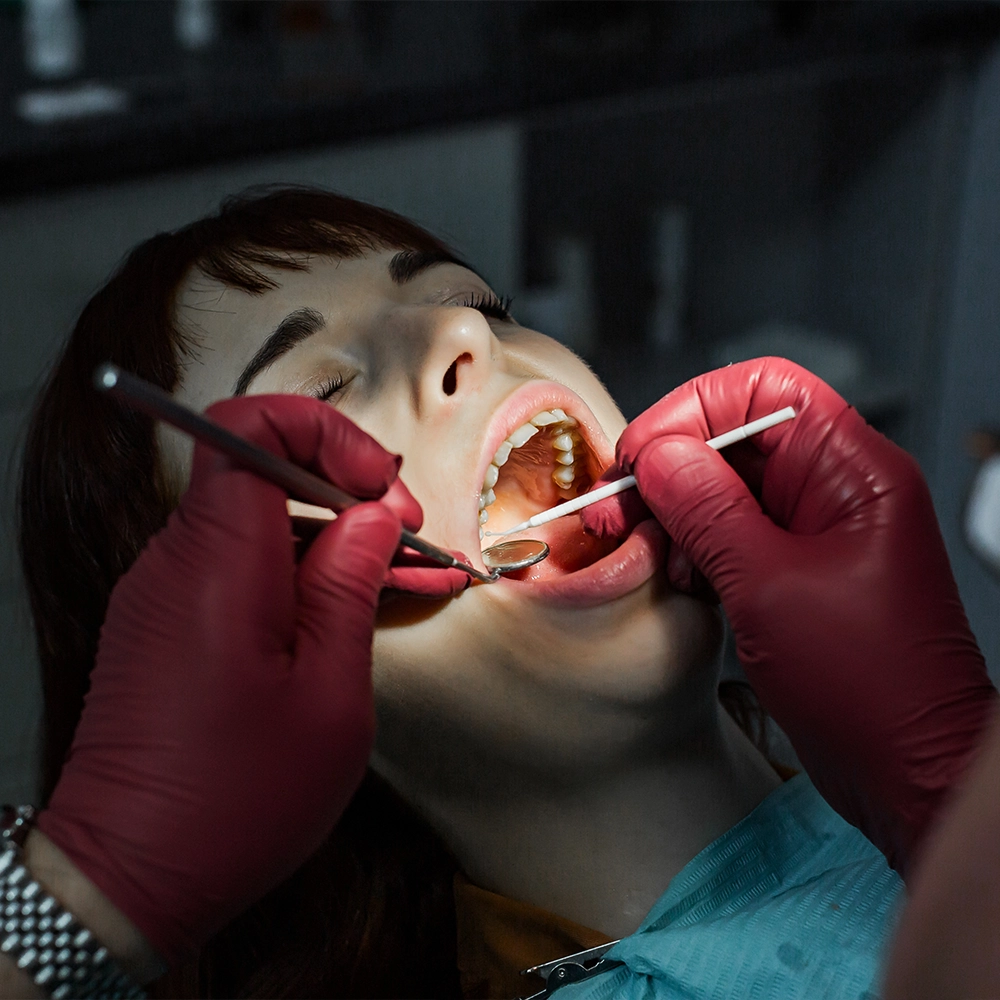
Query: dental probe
[626, 483]
[152, 400]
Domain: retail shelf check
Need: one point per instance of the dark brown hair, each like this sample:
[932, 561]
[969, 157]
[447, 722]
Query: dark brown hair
[372, 913]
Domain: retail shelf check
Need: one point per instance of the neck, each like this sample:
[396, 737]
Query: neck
[601, 851]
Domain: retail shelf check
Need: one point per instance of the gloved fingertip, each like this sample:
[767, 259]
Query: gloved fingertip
[616, 516]
[671, 464]
[459, 579]
[400, 500]
[667, 446]
[604, 519]
[428, 583]
[680, 569]
[419, 575]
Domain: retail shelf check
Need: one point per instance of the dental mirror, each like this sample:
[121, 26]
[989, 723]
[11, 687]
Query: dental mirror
[506, 557]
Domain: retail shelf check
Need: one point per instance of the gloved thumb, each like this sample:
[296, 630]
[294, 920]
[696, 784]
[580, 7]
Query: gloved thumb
[338, 583]
[616, 515]
[705, 508]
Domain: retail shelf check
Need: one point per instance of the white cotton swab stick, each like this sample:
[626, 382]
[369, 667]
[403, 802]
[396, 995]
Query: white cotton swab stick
[620, 485]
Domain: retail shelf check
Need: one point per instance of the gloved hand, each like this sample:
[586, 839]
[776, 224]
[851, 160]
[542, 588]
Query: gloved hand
[230, 717]
[830, 566]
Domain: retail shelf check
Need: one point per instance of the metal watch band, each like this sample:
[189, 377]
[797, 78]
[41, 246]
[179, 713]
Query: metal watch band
[43, 938]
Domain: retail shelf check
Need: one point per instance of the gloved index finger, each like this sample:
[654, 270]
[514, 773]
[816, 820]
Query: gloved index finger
[705, 508]
[726, 398]
[415, 574]
[614, 516]
[313, 435]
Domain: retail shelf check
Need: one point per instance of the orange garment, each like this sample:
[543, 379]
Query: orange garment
[498, 937]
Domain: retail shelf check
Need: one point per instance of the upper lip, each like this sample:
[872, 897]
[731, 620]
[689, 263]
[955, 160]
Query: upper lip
[527, 400]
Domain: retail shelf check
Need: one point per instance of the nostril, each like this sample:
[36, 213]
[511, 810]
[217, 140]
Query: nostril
[450, 381]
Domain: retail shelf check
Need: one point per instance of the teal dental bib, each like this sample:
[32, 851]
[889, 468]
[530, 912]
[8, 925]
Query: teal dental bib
[791, 903]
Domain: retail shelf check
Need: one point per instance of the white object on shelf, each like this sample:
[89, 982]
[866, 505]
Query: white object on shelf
[44, 106]
[53, 38]
[195, 24]
[982, 515]
[836, 361]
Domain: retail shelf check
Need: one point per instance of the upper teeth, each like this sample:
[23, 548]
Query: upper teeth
[522, 435]
[563, 444]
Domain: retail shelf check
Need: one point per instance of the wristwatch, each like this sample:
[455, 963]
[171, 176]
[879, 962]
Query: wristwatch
[43, 938]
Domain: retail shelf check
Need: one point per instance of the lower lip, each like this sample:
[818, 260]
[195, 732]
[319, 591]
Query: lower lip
[625, 569]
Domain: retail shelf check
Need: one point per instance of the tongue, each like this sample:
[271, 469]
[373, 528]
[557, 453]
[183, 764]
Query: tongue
[570, 549]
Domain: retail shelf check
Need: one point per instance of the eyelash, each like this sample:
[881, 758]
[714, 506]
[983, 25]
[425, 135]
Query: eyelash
[330, 388]
[489, 304]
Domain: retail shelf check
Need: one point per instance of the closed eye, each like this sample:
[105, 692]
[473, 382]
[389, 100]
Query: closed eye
[329, 388]
[491, 305]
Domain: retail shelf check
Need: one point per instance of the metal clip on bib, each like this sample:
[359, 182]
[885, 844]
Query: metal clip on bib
[572, 969]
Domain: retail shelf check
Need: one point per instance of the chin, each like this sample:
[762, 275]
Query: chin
[641, 647]
[502, 680]
[631, 650]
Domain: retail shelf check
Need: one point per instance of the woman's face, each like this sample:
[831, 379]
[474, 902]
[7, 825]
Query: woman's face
[582, 655]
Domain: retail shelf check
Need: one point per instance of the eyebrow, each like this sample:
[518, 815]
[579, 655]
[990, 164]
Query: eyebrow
[303, 323]
[292, 330]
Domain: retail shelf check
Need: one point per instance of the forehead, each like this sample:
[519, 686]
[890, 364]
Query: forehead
[225, 326]
[205, 302]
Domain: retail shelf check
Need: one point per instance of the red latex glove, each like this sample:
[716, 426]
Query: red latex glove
[230, 718]
[831, 568]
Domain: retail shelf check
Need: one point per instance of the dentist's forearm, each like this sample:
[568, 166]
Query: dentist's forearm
[945, 945]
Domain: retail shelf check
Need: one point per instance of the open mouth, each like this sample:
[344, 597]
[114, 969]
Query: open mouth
[543, 462]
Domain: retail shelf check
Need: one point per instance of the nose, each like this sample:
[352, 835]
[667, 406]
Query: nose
[457, 358]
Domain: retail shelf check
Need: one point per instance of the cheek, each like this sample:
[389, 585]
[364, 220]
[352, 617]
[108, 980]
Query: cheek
[549, 359]
[431, 467]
